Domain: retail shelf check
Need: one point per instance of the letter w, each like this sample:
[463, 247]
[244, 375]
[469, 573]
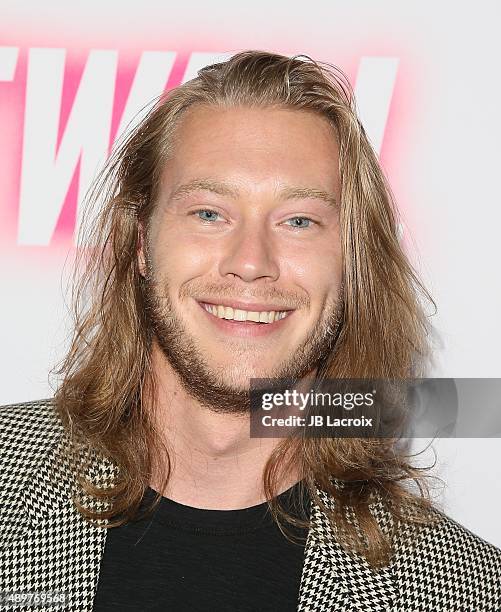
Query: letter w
[48, 169]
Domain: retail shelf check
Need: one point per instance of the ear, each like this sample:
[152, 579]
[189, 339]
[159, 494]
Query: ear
[141, 257]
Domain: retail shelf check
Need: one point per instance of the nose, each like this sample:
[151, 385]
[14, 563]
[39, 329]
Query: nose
[249, 254]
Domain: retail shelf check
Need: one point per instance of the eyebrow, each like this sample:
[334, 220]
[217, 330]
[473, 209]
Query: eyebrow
[221, 188]
[302, 193]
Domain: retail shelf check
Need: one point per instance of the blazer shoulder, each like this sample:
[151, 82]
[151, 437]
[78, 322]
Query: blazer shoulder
[26, 421]
[444, 556]
[26, 430]
[448, 535]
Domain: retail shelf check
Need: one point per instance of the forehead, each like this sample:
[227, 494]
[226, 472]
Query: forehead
[254, 145]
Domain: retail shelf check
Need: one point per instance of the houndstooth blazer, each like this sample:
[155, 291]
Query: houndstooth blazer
[46, 546]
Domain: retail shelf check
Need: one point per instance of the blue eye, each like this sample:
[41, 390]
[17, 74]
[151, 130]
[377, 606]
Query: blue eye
[300, 226]
[210, 212]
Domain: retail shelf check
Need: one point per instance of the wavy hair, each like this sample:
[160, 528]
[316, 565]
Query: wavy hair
[384, 332]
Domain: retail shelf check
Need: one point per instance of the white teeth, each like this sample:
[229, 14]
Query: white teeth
[239, 315]
[236, 314]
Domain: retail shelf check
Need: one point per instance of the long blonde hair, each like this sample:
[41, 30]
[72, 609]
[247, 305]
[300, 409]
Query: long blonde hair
[384, 331]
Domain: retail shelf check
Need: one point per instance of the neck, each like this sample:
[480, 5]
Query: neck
[214, 463]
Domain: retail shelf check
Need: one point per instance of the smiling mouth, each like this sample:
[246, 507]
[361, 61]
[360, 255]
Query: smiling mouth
[245, 316]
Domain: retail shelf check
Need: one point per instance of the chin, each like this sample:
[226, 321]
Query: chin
[241, 380]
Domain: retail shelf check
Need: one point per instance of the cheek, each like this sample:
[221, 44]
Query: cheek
[317, 268]
[180, 259]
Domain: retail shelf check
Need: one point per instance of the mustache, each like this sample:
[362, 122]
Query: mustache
[215, 290]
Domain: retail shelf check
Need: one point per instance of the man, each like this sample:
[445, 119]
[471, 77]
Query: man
[247, 232]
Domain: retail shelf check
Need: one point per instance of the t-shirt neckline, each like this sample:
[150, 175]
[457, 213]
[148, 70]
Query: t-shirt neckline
[175, 514]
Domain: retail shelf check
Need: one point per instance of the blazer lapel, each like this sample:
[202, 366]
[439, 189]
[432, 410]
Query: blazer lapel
[336, 580]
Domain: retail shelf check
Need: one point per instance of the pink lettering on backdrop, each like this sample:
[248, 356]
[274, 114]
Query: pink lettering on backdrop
[61, 111]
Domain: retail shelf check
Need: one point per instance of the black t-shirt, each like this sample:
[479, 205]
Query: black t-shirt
[188, 559]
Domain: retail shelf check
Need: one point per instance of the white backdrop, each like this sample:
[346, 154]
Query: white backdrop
[426, 75]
